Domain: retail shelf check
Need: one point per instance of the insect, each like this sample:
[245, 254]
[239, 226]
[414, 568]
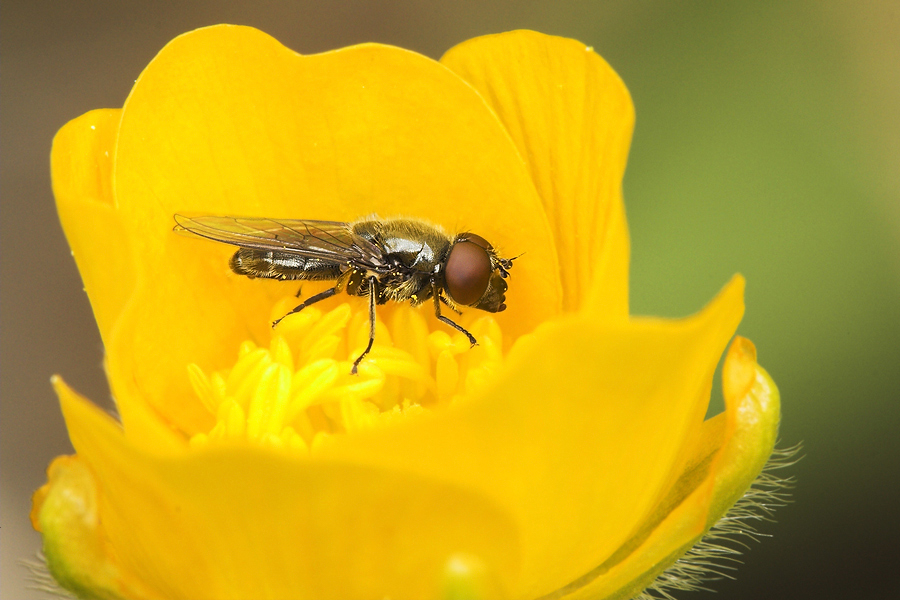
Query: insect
[395, 259]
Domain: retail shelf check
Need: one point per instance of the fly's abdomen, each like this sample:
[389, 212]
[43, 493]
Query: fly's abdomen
[282, 265]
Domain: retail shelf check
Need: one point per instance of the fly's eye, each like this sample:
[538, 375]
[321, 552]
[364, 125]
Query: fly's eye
[477, 239]
[468, 271]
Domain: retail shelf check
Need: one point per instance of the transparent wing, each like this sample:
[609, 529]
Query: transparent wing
[327, 240]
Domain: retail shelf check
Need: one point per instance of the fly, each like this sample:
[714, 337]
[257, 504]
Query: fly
[395, 259]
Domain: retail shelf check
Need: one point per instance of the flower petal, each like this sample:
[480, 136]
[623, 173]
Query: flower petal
[588, 424]
[81, 164]
[225, 120]
[571, 118]
[254, 522]
[729, 455]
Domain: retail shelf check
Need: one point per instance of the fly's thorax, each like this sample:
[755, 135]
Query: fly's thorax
[409, 245]
[412, 251]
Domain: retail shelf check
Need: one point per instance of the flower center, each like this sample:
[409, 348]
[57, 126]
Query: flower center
[299, 390]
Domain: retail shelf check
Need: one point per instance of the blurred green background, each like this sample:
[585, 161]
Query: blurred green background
[767, 142]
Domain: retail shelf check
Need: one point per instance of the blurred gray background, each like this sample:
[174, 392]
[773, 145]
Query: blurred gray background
[767, 142]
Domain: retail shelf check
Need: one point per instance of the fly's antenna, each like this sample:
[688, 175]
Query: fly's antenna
[505, 264]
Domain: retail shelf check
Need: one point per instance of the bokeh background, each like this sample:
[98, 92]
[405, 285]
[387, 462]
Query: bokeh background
[767, 142]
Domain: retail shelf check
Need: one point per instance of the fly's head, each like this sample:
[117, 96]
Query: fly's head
[475, 275]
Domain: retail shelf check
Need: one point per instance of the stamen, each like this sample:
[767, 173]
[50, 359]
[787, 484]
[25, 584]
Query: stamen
[299, 391]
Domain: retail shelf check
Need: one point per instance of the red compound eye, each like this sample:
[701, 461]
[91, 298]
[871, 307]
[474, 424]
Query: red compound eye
[477, 239]
[468, 270]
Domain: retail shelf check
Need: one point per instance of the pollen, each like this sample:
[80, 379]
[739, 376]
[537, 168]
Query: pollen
[299, 390]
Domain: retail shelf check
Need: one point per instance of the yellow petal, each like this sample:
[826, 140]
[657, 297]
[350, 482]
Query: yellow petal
[81, 164]
[729, 455]
[82, 161]
[225, 120]
[257, 523]
[579, 436]
[571, 118]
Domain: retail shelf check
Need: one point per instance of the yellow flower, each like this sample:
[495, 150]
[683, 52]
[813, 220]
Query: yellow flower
[566, 456]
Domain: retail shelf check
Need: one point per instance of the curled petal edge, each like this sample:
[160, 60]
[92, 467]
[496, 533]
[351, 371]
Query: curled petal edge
[81, 164]
[730, 454]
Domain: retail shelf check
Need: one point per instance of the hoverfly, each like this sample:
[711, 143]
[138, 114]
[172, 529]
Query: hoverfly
[395, 259]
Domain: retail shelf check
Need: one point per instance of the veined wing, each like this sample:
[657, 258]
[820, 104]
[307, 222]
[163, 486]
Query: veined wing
[327, 240]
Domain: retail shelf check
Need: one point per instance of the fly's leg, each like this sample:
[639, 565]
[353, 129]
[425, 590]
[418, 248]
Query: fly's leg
[373, 295]
[435, 293]
[447, 304]
[311, 300]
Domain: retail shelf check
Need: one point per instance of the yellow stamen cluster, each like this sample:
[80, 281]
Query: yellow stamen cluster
[299, 390]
